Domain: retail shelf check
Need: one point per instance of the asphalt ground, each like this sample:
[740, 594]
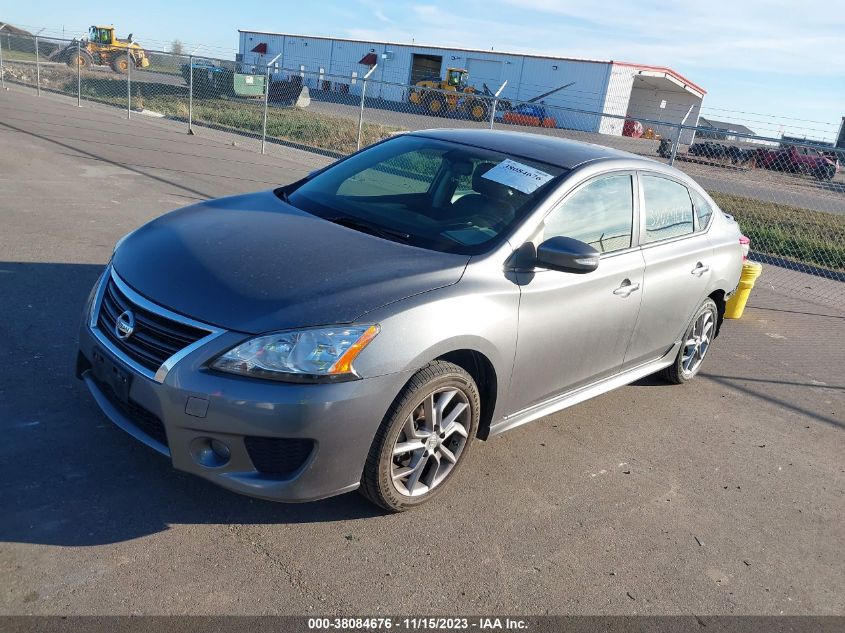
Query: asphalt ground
[724, 496]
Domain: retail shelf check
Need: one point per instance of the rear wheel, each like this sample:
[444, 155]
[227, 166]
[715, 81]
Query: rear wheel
[423, 439]
[695, 345]
[825, 172]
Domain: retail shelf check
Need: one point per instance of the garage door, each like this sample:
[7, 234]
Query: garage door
[484, 71]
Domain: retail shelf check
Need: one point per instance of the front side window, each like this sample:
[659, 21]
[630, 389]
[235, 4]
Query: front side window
[668, 209]
[601, 213]
[428, 192]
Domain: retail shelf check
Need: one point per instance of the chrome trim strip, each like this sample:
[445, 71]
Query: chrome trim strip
[94, 316]
[161, 373]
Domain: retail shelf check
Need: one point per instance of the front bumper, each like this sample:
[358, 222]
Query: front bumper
[326, 429]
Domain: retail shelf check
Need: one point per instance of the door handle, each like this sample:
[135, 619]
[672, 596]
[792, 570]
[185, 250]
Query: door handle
[699, 269]
[626, 288]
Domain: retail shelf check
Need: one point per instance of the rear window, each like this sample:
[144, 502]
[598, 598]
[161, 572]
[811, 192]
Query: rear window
[703, 210]
[429, 193]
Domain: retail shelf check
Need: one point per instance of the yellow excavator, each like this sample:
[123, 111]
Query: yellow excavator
[103, 48]
[450, 94]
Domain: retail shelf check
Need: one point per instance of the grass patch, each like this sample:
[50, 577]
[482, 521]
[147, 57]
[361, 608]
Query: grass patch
[305, 127]
[782, 230]
[20, 56]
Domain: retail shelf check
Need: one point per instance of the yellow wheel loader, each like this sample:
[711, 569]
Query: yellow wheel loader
[103, 48]
[439, 97]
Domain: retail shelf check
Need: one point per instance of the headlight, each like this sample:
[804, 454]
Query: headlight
[312, 355]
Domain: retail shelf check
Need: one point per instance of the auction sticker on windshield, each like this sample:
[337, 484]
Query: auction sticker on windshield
[518, 176]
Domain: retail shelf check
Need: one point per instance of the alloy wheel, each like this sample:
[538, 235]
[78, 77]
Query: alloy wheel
[431, 442]
[697, 342]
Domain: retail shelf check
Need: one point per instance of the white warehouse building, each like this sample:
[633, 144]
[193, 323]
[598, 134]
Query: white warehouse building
[625, 89]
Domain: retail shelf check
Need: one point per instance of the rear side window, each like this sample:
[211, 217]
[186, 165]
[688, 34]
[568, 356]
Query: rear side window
[601, 213]
[703, 210]
[668, 209]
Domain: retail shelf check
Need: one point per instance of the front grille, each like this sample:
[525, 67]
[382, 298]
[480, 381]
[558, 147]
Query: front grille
[278, 456]
[146, 421]
[155, 337]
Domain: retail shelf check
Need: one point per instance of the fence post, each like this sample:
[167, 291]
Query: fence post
[363, 95]
[190, 93]
[678, 137]
[37, 69]
[266, 101]
[495, 102]
[191, 89]
[128, 84]
[675, 146]
[78, 75]
[2, 70]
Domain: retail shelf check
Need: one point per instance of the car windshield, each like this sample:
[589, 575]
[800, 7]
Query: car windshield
[427, 192]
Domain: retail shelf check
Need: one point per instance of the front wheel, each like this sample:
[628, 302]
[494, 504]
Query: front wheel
[80, 58]
[477, 111]
[120, 64]
[436, 105]
[696, 343]
[423, 439]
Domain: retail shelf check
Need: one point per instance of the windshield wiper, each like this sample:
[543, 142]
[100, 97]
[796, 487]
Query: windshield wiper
[369, 227]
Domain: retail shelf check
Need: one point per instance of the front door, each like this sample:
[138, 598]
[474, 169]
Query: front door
[574, 328]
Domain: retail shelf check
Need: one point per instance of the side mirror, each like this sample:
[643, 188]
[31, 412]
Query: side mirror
[567, 255]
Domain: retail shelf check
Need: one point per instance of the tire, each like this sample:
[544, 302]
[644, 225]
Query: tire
[83, 59]
[682, 370]
[825, 173]
[477, 110]
[436, 105]
[120, 64]
[390, 479]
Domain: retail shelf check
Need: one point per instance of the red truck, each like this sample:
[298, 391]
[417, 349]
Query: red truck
[798, 160]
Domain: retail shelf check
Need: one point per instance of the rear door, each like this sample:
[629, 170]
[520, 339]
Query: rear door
[677, 267]
[574, 328]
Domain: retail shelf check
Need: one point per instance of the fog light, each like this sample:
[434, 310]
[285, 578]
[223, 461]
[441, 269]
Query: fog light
[209, 452]
[221, 450]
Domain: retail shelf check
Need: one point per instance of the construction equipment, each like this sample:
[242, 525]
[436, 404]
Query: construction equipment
[452, 94]
[531, 113]
[103, 48]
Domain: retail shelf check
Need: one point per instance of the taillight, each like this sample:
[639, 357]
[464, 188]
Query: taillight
[745, 244]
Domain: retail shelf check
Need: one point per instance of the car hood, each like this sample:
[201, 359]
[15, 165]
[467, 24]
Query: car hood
[253, 263]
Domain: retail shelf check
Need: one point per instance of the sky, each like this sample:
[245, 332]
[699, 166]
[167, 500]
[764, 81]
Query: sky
[776, 66]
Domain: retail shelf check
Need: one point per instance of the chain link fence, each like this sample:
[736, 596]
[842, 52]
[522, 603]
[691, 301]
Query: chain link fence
[788, 196]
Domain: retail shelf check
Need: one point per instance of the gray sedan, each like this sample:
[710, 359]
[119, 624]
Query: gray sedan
[359, 328]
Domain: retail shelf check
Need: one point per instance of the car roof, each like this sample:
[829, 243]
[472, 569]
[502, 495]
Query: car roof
[553, 150]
